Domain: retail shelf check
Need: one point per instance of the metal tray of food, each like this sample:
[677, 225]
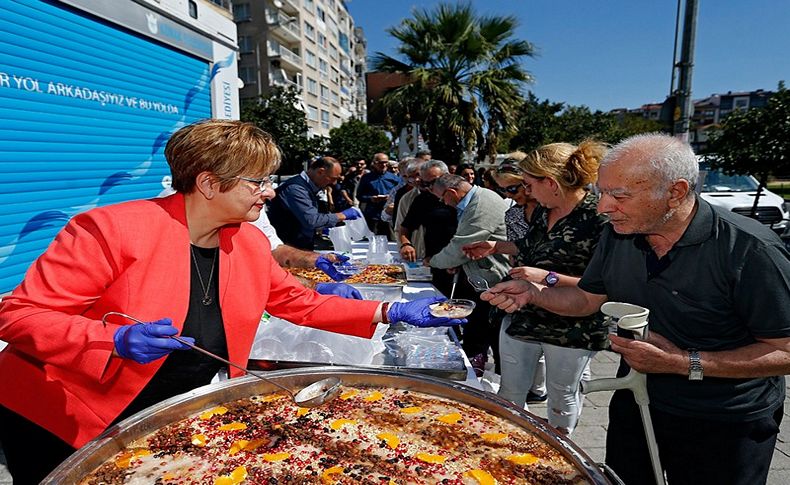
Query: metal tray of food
[118, 437]
[434, 352]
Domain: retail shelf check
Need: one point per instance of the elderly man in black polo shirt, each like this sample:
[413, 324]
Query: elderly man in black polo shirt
[718, 289]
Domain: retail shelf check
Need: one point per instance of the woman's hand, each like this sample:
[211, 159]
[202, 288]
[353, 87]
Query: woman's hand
[478, 250]
[147, 342]
[535, 275]
[418, 313]
[339, 289]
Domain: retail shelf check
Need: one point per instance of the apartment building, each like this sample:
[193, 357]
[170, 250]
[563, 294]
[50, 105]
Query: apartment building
[311, 45]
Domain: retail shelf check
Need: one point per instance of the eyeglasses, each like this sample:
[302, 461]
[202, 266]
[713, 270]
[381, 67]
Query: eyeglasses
[511, 189]
[508, 167]
[427, 184]
[262, 184]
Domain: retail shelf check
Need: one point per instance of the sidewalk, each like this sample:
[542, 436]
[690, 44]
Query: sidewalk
[590, 434]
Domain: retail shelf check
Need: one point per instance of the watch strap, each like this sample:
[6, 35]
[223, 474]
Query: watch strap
[696, 371]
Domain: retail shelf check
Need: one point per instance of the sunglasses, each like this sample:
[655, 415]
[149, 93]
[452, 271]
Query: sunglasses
[508, 167]
[511, 189]
[427, 184]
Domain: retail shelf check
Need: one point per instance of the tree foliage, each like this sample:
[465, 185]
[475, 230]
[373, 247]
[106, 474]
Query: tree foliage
[755, 141]
[542, 122]
[466, 77]
[277, 112]
[355, 140]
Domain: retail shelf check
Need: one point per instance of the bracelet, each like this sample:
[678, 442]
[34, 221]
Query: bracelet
[384, 307]
[406, 244]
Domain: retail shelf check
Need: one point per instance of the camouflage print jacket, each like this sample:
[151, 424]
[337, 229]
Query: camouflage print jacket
[566, 249]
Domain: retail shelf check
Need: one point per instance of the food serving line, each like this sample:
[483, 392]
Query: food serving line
[299, 357]
[432, 351]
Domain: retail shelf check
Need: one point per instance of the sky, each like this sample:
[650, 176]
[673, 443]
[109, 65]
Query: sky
[608, 54]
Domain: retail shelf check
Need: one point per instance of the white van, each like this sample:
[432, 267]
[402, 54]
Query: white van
[737, 192]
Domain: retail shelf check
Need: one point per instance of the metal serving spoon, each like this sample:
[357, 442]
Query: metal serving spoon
[311, 396]
[478, 283]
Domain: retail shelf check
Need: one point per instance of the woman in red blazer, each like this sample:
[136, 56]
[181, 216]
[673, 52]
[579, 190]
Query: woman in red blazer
[187, 265]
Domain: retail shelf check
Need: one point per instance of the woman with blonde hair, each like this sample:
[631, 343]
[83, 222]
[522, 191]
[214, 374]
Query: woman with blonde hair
[558, 245]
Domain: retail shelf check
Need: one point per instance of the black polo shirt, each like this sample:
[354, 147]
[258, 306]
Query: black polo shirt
[725, 283]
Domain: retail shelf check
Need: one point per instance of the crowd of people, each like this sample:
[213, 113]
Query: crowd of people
[560, 230]
[539, 242]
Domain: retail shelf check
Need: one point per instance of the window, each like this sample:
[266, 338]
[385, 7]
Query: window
[312, 113]
[245, 44]
[248, 75]
[310, 58]
[335, 76]
[332, 52]
[319, 12]
[325, 119]
[310, 5]
[324, 92]
[323, 67]
[334, 97]
[241, 12]
[321, 42]
[309, 31]
[192, 9]
[740, 103]
[312, 86]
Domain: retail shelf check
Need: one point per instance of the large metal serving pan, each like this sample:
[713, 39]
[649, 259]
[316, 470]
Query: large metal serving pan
[116, 438]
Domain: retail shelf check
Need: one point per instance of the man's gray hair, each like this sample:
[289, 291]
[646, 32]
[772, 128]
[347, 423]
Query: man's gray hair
[414, 165]
[668, 158]
[450, 181]
[434, 163]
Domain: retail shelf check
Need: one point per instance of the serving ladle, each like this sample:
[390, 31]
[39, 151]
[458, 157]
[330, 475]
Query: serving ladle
[310, 396]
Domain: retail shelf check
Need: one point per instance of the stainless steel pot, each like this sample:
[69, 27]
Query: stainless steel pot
[116, 438]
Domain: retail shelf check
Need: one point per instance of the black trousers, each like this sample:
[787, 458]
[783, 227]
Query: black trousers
[478, 334]
[31, 452]
[692, 450]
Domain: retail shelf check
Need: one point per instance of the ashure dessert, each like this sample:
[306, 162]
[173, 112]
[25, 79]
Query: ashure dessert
[454, 308]
[372, 274]
[365, 436]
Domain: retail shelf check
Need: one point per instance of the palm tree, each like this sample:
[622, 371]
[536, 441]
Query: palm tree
[466, 77]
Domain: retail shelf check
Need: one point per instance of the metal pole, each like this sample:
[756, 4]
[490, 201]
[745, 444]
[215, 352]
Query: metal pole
[684, 108]
[675, 51]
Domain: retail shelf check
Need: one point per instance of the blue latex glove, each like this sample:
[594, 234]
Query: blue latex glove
[146, 342]
[328, 266]
[351, 213]
[418, 314]
[339, 289]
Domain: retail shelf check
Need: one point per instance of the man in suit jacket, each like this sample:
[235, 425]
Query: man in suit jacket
[294, 212]
[481, 217]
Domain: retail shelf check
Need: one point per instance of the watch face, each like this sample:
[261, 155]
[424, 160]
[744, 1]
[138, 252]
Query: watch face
[552, 278]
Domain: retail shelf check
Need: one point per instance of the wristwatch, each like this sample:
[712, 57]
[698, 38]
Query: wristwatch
[552, 279]
[695, 365]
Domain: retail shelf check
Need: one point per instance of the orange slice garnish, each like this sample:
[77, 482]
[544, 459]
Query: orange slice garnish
[326, 476]
[482, 477]
[451, 418]
[411, 410]
[276, 456]
[234, 426]
[236, 476]
[429, 458]
[349, 394]
[493, 436]
[374, 396]
[523, 459]
[339, 423]
[392, 440]
[199, 440]
[212, 412]
[125, 459]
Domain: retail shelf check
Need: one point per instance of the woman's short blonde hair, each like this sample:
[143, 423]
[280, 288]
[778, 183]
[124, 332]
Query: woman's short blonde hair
[572, 166]
[508, 171]
[226, 148]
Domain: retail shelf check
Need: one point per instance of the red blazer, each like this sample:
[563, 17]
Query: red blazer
[58, 370]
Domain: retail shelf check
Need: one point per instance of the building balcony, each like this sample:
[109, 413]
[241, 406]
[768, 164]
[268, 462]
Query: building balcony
[283, 82]
[288, 6]
[288, 59]
[283, 26]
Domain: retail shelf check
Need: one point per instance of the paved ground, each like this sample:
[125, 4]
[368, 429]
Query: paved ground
[590, 433]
